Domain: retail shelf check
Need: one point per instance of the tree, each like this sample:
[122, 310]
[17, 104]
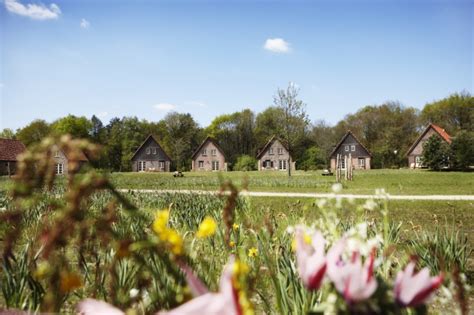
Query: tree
[97, 129]
[77, 127]
[436, 153]
[181, 135]
[313, 159]
[7, 133]
[245, 163]
[454, 113]
[34, 132]
[462, 150]
[295, 119]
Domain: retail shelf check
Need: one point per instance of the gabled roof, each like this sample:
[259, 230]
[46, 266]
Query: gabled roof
[10, 149]
[440, 131]
[349, 133]
[268, 144]
[81, 157]
[208, 139]
[154, 139]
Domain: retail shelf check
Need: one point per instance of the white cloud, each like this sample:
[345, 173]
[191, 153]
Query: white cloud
[277, 45]
[85, 24]
[164, 107]
[34, 11]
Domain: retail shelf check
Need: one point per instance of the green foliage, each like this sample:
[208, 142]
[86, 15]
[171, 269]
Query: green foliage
[443, 249]
[312, 159]
[454, 113]
[77, 127]
[34, 132]
[462, 149]
[7, 133]
[436, 153]
[245, 163]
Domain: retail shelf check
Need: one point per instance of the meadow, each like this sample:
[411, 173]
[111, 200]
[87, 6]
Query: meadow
[68, 240]
[396, 182]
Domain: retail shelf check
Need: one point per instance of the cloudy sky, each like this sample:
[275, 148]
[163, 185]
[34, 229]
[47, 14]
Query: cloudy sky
[146, 58]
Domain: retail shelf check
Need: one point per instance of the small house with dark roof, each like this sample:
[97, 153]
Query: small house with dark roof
[150, 157]
[64, 161]
[415, 153]
[351, 146]
[9, 152]
[274, 156]
[209, 156]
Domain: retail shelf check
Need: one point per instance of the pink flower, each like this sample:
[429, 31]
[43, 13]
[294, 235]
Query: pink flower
[414, 289]
[354, 280]
[224, 302]
[310, 257]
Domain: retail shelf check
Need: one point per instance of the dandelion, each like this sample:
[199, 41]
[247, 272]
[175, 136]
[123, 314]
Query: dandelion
[232, 244]
[207, 228]
[253, 252]
[235, 226]
[337, 188]
[161, 221]
[169, 236]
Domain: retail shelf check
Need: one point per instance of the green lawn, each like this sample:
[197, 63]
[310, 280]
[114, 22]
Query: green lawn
[396, 182]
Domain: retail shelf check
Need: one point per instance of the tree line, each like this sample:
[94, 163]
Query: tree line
[387, 130]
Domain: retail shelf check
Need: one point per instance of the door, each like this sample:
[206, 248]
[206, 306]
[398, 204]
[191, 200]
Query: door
[362, 163]
[215, 165]
[141, 166]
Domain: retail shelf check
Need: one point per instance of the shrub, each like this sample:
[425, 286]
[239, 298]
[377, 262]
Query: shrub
[245, 163]
[462, 149]
[313, 159]
[436, 153]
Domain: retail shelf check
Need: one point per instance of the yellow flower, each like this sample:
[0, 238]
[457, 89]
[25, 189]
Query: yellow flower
[239, 268]
[231, 243]
[207, 228]
[69, 282]
[175, 241]
[253, 252]
[161, 221]
[235, 226]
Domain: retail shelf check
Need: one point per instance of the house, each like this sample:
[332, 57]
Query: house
[350, 145]
[150, 157]
[209, 157]
[274, 156]
[64, 162]
[415, 153]
[9, 152]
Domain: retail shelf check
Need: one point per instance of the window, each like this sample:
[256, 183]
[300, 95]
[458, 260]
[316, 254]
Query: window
[343, 163]
[346, 148]
[201, 164]
[204, 152]
[280, 151]
[162, 165]
[418, 161]
[148, 150]
[215, 165]
[361, 162]
[267, 164]
[154, 150]
[141, 166]
[56, 153]
[282, 164]
[270, 151]
[59, 169]
[353, 148]
[213, 152]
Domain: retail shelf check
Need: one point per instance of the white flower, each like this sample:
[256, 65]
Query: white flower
[134, 293]
[321, 203]
[290, 230]
[337, 187]
[369, 204]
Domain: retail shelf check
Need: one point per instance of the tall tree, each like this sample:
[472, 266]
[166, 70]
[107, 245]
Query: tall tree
[7, 133]
[77, 127]
[34, 132]
[97, 129]
[295, 119]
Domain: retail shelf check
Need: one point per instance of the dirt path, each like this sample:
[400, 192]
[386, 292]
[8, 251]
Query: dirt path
[311, 195]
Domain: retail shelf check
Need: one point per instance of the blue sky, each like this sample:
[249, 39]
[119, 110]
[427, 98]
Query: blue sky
[144, 58]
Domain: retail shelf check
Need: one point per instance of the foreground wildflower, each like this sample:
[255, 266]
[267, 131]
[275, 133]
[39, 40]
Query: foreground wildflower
[169, 236]
[230, 300]
[235, 226]
[414, 289]
[253, 252]
[310, 258]
[354, 280]
[207, 228]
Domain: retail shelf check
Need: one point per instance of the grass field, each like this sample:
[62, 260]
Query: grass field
[396, 182]
[437, 231]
